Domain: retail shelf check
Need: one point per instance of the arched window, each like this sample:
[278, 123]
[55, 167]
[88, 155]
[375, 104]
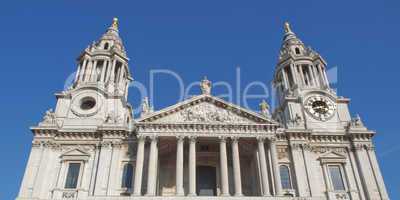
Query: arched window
[106, 46]
[285, 177]
[127, 176]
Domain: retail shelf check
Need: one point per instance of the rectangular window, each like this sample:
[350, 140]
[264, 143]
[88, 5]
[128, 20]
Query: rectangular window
[336, 177]
[72, 175]
[285, 177]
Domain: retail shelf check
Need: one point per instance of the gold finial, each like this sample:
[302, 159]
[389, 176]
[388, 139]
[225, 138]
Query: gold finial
[115, 23]
[287, 28]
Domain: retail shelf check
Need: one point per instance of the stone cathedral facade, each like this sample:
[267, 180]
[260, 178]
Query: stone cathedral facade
[309, 148]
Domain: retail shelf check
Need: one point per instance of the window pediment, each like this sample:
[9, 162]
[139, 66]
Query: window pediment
[332, 157]
[75, 154]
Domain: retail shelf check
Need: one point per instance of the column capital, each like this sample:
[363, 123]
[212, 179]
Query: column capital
[140, 137]
[261, 138]
[153, 137]
[235, 138]
[222, 138]
[180, 137]
[272, 139]
[192, 138]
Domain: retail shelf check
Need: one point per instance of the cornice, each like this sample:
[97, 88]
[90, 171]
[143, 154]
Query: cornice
[201, 129]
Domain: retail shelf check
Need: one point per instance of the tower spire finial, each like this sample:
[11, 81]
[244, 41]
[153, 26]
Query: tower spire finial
[287, 28]
[115, 23]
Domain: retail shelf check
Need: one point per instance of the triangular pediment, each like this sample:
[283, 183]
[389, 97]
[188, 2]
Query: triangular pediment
[76, 153]
[332, 156]
[206, 109]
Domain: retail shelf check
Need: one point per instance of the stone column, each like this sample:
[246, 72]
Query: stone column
[275, 166]
[112, 72]
[319, 75]
[315, 75]
[311, 75]
[82, 70]
[236, 167]
[179, 166]
[103, 71]
[93, 74]
[78, 71]
[303, 79]
[285, 79]
[192, 166]
[325, 76]
[152, 171]
[263, 166]
[87, 73]
[139, 166]
[294, 74]
[224, 166]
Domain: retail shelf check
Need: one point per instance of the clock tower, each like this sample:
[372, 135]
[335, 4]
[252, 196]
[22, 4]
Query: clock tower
[98, 96]
[304, 97]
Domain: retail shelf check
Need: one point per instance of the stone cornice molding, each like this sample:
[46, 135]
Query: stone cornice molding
[204, 128]
[365, 135]
[80, 133]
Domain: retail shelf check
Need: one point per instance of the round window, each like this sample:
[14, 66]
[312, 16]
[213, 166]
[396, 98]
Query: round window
[88, 103]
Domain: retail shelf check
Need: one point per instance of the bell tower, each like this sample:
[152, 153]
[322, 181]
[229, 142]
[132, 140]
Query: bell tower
[304, 97]
[99, 93]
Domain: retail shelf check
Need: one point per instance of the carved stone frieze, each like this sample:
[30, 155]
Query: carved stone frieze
[205, 113]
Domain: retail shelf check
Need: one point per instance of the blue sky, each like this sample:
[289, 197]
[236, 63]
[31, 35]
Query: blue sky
[41, 40]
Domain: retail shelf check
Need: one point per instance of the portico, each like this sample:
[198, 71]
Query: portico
[222, 154]
[187, 157]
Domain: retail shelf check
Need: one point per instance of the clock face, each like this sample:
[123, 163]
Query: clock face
[320, 107]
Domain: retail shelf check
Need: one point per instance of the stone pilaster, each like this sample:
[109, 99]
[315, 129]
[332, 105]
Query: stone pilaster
[152, 171]
[275, 167]
[299, 169]
[377, 172]
[137, 188]
[367, 177]
[263, 166]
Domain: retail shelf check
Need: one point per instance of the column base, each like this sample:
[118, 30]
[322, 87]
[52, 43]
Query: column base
[238, 195]
[179, 194]
[192, 195]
